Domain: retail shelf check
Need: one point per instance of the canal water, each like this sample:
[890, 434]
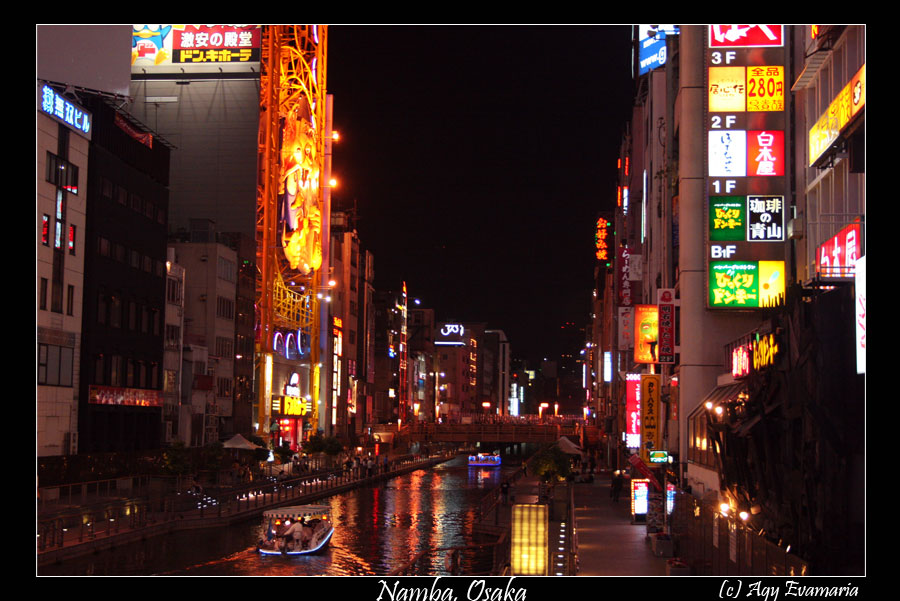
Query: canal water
[377, 529]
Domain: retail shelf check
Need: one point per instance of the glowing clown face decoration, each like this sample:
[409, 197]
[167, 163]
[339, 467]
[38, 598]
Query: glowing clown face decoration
[300, 217]
[647, 334]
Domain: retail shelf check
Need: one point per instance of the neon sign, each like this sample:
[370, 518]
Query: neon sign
[746, 36]
[765, 349]
[55, 105]
[600, 240]
[746, 166]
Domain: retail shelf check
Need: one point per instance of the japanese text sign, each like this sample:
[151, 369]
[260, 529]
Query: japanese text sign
[666, 305]
[837, 257]
[651, 416]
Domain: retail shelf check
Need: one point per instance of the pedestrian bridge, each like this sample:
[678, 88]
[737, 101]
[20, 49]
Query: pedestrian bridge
[500, 433]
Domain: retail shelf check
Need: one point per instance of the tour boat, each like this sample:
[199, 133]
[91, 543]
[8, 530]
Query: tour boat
[317, 519]
[484, 460]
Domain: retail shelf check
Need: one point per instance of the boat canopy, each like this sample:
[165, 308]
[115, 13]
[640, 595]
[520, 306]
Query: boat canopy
[298, 511]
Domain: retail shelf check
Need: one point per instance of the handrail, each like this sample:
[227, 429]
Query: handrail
[83, 524]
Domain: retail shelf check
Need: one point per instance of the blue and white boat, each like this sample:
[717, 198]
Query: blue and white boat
[484, 460]
[317, 529]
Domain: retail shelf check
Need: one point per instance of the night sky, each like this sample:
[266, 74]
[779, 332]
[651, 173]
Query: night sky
[478, 159]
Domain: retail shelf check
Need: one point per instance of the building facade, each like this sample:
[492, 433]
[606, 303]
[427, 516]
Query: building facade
[62, 168]
[728, 324]
[120, 388]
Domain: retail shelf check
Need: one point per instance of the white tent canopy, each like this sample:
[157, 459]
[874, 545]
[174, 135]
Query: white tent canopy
[239, 442]
[569, 447]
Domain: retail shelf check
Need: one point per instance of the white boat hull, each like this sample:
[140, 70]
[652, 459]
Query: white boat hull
[316, 546]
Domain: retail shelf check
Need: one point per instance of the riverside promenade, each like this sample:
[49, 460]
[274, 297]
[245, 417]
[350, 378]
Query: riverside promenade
[58, 538]
[602, 541]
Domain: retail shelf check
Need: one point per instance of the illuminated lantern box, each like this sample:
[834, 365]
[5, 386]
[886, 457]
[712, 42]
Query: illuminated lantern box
[529, 540]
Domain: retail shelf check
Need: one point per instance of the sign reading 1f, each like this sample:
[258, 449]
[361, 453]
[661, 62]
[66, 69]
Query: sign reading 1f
[724, 187]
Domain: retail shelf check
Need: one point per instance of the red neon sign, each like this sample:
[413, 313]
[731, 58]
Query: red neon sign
[837, 257]
[745, 36]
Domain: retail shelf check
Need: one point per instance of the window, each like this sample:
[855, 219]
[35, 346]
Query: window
[70, 300]
[226, 269]
[173, 336]
[115, 312]
[173, 291]
[43, 297]
[225, 308]
[223, 387]
[115, 370]
[102, 308]
[45, 230]
[106, 188]
[224, 347]
[55, 365]
[99, 370]
[62, 174]
[71, 239]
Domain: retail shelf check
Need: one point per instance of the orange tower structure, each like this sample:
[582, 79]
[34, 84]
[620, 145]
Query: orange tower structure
[292, 212]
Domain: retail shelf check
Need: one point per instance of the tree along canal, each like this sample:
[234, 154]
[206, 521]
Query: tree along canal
[378, 528]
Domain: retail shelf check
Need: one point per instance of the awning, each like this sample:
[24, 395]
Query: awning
[383, 436]
[719, 394]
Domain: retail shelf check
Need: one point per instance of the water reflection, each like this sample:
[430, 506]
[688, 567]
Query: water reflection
[377, 529]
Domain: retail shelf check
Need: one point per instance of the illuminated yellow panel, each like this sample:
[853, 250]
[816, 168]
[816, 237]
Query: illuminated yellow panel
[771, 279]
[765, 88]
[727, 89]
[528, 544]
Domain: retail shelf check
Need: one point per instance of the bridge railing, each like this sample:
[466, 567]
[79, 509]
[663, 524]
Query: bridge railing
[503, 432]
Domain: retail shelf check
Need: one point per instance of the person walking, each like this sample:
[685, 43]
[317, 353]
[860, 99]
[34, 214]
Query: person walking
[617, 483]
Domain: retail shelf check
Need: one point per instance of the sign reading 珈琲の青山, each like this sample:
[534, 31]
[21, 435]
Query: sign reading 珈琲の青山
[746, 165]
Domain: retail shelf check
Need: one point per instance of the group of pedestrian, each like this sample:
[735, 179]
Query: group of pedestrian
[364, 467]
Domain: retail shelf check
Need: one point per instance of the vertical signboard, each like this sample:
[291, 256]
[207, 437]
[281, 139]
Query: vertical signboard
[651, 418]
[666, 306]
[860, 315]
[646, 333]
[747, 156]
[632, 410]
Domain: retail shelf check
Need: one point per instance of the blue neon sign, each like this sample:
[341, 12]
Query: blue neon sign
[57, 106]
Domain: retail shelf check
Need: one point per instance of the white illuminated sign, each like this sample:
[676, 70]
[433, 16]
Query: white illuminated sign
[452, 328]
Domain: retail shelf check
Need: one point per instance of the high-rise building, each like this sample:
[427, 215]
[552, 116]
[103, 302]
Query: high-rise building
[120, 388]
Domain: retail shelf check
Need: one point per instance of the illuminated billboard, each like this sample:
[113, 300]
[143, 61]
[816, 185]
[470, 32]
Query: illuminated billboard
[745, 284]
[837, 257]
[299, 211]
[746, 36]
[651, 414]
[646, 333]
[185, 48]
[632, 410]
[845, 106]
[747, 188]
[652, 51]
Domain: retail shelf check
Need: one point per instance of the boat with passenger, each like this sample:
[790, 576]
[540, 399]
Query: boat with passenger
[484, 460]
[297, 530]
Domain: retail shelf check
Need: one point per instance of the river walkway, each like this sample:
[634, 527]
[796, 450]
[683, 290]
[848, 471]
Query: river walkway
[106, 526]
